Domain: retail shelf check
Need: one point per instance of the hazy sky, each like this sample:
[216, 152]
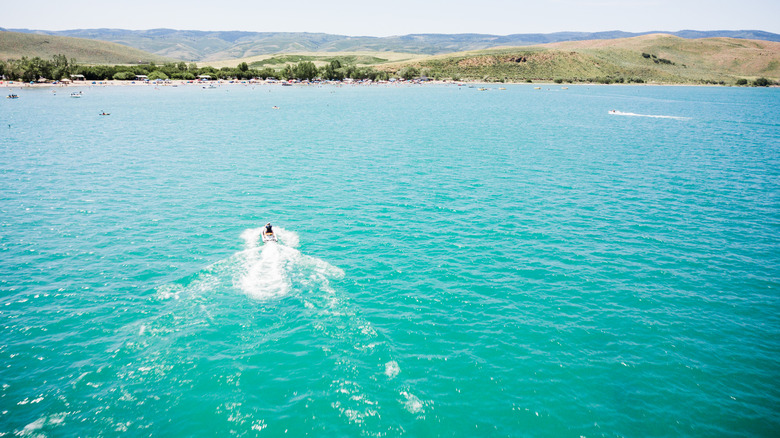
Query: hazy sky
[397, 17]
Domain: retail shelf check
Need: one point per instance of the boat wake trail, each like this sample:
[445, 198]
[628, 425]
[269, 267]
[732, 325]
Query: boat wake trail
[296, 309]
[621, 113]
[271, 270]
[260, 271]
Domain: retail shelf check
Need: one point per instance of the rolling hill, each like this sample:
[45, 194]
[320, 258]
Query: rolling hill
[656, 58]
[14, 45]
[189, 45]
[691, 57]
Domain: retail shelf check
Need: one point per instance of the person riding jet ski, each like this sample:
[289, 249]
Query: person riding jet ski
[268, 233]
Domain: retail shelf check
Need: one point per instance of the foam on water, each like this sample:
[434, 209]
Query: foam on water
[261, 271]
[392, 369]
[621, 113]
[268, 272]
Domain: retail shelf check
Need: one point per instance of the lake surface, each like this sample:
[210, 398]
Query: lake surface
[451, 262]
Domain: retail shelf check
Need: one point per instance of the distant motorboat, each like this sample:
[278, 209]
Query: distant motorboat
[76, 94]
[12, 96]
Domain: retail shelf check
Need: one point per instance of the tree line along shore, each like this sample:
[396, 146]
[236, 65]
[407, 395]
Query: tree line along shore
[481, 68]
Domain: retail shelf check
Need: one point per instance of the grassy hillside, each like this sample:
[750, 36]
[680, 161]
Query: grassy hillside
[208, 46]
[656, 58]
[14, 45]
[723, 56]
[653, 58]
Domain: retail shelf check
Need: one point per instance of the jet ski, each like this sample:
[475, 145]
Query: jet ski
[269, 237]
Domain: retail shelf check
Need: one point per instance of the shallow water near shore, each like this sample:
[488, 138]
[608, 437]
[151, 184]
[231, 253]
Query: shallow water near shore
[450, 262]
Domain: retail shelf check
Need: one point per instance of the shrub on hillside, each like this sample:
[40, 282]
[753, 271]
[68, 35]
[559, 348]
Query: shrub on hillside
[762, 82]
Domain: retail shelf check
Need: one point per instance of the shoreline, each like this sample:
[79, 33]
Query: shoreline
[207, 84]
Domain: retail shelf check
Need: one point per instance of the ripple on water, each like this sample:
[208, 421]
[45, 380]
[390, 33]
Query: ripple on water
[448, 262]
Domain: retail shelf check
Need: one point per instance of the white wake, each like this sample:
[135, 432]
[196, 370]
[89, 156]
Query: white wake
[621, 113]
[269, 270]
[261, 271]
[363, 371]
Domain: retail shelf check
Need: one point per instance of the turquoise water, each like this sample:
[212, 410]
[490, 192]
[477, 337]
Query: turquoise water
[451, 262]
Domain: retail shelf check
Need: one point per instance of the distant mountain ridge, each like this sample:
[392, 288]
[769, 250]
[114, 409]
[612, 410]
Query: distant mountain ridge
[194, 45]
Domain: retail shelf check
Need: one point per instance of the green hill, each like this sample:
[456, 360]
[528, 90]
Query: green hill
[15, 45]
[697, 57]
[652, 58]
[656, 58]
[209, 46]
